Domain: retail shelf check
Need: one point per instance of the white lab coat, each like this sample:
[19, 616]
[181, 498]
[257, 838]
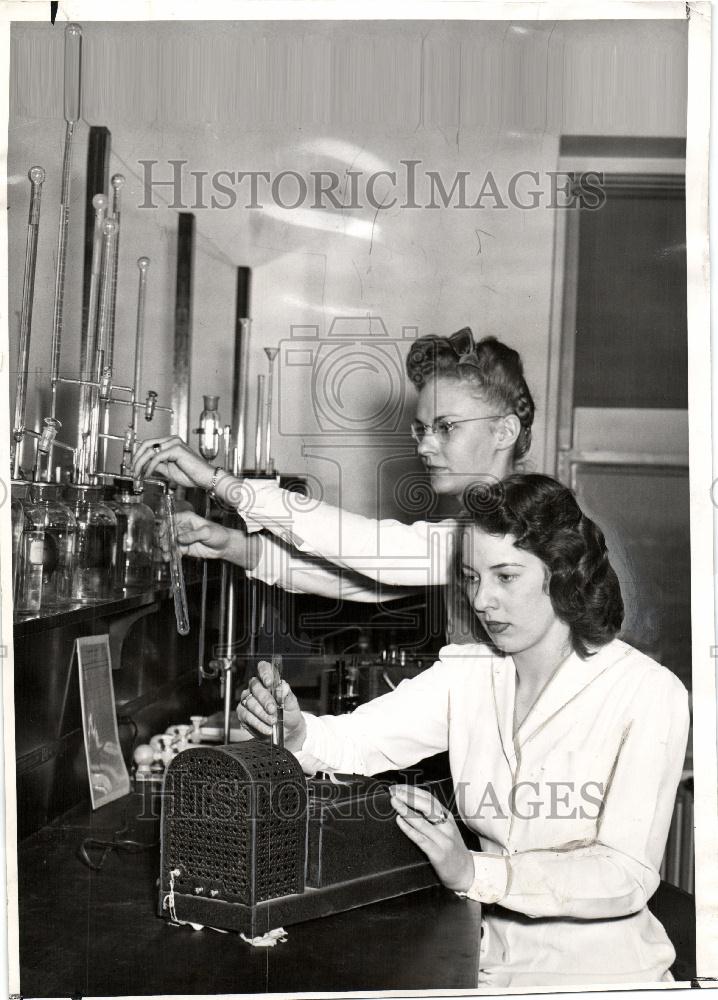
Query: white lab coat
[314, 548]
[572, 880]
[325, 550]
[387, 551]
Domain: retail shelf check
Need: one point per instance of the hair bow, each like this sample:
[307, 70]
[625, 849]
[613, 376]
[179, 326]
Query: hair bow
[464, 347]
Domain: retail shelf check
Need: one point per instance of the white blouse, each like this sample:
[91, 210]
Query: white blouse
[573, 812]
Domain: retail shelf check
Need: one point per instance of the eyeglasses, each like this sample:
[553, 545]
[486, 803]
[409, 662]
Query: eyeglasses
[442, 428]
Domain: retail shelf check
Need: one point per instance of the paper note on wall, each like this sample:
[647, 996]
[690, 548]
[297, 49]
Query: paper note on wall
[106, 768]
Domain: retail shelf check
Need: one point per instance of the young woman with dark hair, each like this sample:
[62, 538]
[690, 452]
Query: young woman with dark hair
[566, 748]
[543, 518]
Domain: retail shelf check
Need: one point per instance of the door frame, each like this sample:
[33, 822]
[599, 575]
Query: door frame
[622, 162]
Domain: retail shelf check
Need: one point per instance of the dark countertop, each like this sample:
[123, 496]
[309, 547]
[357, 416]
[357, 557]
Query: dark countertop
[97, 933]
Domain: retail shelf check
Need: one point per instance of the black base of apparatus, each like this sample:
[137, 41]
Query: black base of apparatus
[263, 917]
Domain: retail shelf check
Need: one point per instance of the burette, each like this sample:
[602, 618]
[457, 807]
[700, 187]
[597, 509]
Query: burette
[36, 176]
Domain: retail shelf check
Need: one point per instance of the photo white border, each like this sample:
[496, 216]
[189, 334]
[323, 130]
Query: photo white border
[702, 453]
[701, 465]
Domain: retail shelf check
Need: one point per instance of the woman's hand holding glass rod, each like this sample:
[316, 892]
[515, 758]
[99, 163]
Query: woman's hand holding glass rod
[175, 460]
[258, 704]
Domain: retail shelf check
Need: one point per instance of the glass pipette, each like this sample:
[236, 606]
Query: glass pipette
[278, 725]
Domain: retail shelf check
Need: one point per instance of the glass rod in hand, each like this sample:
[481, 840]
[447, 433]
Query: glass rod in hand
[278, 726]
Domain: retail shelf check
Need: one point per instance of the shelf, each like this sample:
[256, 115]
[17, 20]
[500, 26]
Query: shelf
[78, 613]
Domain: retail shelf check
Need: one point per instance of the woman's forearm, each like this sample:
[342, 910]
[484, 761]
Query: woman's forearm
[242, 550]
[393, 554]
[592, 882]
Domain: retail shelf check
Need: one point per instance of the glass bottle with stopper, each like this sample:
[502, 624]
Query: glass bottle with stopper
[135, 530]
[93, 577]
[45, 557]
[45, 564]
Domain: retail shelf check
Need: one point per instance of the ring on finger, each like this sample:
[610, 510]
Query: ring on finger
[156, 448]
[438, 820]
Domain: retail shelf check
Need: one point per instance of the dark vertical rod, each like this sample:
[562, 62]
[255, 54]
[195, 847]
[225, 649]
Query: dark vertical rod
[240, 378]
[98, 181]
[183, 327]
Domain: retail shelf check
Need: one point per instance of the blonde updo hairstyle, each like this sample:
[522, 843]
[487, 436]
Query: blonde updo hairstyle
[493, 368]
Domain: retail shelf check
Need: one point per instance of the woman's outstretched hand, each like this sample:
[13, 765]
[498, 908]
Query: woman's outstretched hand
[201, 538]
[432, 828]
[173, 459]
[257, 709]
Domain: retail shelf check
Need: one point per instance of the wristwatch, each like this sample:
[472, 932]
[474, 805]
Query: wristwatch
[212, 491]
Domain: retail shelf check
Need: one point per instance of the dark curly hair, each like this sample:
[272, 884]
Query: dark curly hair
[495, 369]
[545, 519]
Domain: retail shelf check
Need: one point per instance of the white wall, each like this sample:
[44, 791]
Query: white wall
[478, 97]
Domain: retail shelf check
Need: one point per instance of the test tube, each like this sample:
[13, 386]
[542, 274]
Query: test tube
[277, 678]
[176, 572]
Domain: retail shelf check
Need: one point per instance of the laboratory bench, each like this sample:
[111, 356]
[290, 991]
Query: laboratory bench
[97, 933]
[94, 933]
